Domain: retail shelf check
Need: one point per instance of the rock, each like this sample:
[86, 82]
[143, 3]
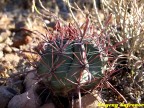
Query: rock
[20, 24]
[7, 49]
[6, 94]
[28, 39]
[28, 99]
[30, 80]
[3, 73]
[89, 101]
[31, 56]
[21, 37]
[5, 21]
[4, 34]
[18, 86]
[7, 65]
[2, 45]
[14, 49]
[12, 61]
[1, 54]
[8, 41]
[2, 68]
[48, 105]
[12, 58]
[24, 40]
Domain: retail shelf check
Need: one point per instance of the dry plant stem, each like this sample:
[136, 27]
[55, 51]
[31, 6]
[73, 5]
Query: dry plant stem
[109, 84]
[85, 62]
[85, 29]
[107, 5]
[49, 13]
[33, 5]
[79, 95]
[76, 22]
[97, 15]
[43, 6]
[72, 102]
[74, 18]
[79, 9]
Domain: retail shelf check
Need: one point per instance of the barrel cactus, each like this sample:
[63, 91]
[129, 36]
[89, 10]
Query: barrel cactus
[68, 62]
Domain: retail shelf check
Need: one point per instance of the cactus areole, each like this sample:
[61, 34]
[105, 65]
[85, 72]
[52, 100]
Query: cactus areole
[68, 63]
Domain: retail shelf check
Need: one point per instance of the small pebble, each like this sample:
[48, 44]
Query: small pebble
[8, 41]
[28, 39]
[12, 58]
[14, 49]
[4, 35]
[7, 49]
[2, 45]
[2, 68]
[1, 54]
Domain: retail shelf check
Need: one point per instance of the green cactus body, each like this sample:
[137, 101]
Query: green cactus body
[64, 62]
